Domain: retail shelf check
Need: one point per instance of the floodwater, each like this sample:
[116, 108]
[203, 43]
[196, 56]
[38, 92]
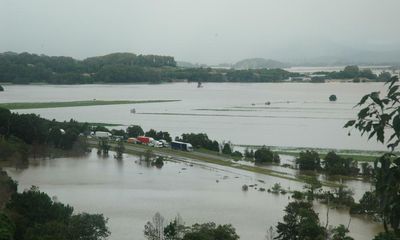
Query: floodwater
[129, 194]
[274, 114]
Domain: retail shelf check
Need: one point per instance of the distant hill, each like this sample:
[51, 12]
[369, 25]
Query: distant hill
[257, 63]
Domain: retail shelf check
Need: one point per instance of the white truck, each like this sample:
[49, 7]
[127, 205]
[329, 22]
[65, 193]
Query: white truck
[101, 134]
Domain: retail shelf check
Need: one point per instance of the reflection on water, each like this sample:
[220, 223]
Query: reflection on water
[299, 114]
[130, 193]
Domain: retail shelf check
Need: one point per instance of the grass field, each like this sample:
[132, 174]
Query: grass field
[32, 105]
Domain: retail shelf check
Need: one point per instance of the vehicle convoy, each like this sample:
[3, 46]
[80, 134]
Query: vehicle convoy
[181, 146]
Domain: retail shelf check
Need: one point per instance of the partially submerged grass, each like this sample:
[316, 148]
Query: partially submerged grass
[359, 155]
[32, 105]
[221, 160]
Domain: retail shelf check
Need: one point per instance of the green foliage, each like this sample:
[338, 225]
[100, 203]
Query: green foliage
[37, 217]
[88, 227]
[298, 195]
[368, 204]
[309, 160]
[249, 154]
[384, 76]
[36, 131]
[366, 169]
[380, 114]
[332, 98]
[121, 68]
[387, 187]
[13, 149]
[340, 233]
[341, 196]
[200, 140]
[7, 228]
[300, 223]
[211, 231]
[159, 135]
[117, 132]
[351, 72]
[265, 155]
[1, 88]
[237, 155]
[227, 148]
[134, 131]
[116, 67]
[312, 185]
[337, 165]
[386, 236]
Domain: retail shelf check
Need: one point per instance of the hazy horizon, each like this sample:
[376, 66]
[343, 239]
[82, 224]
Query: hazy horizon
[210, 32]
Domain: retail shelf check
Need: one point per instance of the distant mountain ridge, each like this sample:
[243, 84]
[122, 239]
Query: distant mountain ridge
[258, 63]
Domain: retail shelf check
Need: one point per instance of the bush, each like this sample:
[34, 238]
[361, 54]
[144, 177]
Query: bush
[308, 160]
[332, 98]
[265, 155]
[227, 148]
[134, 131]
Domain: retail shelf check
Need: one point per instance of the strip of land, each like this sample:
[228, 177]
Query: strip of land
[358, 155]
[34, 105]
[217, 159]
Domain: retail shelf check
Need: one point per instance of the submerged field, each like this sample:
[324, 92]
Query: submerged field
[35, 105]
[130, 192]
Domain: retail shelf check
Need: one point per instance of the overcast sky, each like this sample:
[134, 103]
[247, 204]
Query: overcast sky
[204, 31]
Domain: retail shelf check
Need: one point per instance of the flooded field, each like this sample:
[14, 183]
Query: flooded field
[129, 194]
[274, 114]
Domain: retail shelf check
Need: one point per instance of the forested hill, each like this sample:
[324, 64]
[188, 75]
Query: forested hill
[119, 68]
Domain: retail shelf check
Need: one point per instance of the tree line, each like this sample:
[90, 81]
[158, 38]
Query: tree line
[119, 68]
[353, 72]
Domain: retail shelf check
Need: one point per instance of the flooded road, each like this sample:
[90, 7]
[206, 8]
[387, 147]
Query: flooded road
[129, 194]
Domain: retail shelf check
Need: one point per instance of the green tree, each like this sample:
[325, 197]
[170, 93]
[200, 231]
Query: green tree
[265, 155]
[88, 227]
[300, 223]
[340, 233]
[378, 117]
[211, 231]
[384, 76]
[368, 204]
[313, 184]
[309, 160]
[134, 131]
[227, 148]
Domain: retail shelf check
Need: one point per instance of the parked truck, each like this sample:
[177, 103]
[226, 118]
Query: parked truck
[181, 146]
[144, 140]
[100, 134]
